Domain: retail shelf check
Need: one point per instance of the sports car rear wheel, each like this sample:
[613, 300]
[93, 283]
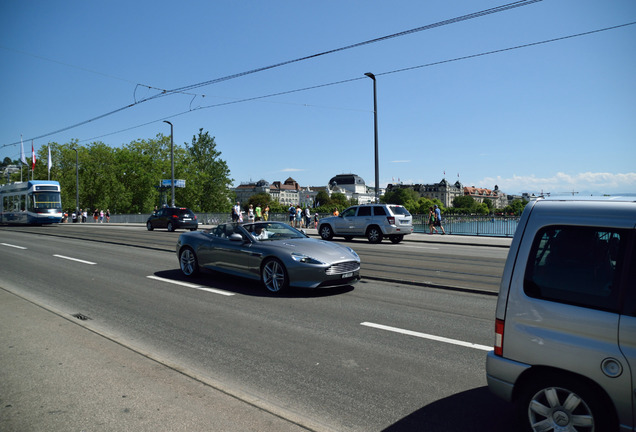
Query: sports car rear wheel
[274, 275]
[188, 262]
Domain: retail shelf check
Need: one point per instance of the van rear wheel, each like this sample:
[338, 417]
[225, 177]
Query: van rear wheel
[558, 403]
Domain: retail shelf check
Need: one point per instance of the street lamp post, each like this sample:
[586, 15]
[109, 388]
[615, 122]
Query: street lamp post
[76, 181]
[171, 161]
[375, 128]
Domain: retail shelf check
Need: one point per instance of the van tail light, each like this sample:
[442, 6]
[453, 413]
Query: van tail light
[391, 220]
[499, 333]
[175, 216]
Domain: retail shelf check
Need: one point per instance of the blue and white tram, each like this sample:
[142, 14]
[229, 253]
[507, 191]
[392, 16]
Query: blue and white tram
[34, 202]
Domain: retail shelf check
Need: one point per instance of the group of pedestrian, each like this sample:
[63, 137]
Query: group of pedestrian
[253, 213]
[435, 220]
[301, 217]
[98, 215]
[82, 215]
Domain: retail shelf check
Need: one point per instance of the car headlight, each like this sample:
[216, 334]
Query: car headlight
[305, 259]
[353, 252]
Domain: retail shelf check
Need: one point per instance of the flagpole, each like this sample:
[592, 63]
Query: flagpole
[22, 157]
[33, 161]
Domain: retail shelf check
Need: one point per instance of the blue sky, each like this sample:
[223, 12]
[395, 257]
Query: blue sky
[556, 117]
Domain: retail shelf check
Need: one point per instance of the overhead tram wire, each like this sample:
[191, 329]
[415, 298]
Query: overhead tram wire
[356, 45]
[362, 78]
[163, 93]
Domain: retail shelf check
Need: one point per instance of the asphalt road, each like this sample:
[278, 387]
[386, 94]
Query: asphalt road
[439, 261]
[378, 356]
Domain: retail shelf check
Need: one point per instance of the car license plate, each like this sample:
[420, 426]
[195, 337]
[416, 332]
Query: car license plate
[347, 275]
[187, 219]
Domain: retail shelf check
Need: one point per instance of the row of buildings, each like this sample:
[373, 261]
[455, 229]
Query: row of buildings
[354, 187]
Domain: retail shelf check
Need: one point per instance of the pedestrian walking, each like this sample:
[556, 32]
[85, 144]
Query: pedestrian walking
[438, 219]
[250, 213]
[307, 217]
[236, 212]
[431, 220]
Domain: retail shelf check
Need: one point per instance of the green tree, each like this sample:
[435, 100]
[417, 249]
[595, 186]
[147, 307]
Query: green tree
[260, 199]
[209, 175]
[400, 196]
[143, 164]
[339, 200]
[323, 199]
[464, 202]
[516, 207]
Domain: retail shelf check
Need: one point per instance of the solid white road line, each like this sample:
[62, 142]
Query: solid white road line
[13, 246]
[75, 259]
[189, 285]
[428, 336]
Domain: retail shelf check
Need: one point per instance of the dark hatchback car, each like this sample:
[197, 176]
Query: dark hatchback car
[173, 218]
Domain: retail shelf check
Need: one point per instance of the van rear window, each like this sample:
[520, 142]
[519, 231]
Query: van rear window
[576, 265]
[399, 210]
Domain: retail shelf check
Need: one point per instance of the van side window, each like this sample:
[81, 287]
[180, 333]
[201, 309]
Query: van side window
[364, 211]
[576, 265]
[379, 211]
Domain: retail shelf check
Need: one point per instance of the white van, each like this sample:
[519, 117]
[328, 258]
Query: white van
[565, 330]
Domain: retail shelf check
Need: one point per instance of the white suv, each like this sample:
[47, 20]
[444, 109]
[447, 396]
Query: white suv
[565, 330]
[373, 221]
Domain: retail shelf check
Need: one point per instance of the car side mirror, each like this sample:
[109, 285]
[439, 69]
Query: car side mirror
[236, 237]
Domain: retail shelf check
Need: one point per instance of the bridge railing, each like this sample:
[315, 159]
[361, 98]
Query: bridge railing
[499, 226]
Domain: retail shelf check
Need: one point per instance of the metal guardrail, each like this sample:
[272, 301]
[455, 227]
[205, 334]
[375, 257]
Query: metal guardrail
[498, 226]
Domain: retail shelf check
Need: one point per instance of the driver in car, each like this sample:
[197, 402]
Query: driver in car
[259, 233]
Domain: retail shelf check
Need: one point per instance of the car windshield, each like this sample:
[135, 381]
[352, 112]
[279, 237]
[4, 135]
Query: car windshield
[266, 231]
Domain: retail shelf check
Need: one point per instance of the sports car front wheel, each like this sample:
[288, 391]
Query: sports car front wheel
[274, 276]
[188, 262]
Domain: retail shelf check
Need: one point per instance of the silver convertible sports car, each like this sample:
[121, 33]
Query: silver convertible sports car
[274, 252]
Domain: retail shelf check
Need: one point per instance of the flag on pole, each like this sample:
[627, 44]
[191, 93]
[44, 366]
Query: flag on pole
[33, 153]
[22, 156]
[50, 163]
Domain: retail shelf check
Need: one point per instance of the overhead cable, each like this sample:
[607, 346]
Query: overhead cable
[163, 93]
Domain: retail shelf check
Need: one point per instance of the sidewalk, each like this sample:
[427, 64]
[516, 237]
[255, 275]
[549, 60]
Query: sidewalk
[464, 240]
[58, 376]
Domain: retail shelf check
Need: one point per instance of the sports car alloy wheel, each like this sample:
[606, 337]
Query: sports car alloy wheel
[274, 276]
[188, 262]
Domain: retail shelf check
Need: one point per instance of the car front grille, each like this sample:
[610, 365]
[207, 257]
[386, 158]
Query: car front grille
[343, 267]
